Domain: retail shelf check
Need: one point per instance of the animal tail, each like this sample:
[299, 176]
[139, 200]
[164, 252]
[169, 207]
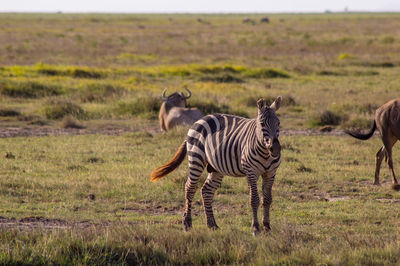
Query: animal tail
[362, 136]
[164, 170]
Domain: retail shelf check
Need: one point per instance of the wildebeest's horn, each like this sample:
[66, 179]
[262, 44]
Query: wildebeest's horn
[189, 93]
[163, 94]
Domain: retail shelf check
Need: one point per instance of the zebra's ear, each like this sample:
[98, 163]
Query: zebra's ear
[276, 104]
[261, 103]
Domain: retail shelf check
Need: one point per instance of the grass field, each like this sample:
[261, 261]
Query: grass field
[325, 209]
[87, 199]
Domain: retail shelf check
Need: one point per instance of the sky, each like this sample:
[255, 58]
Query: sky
[198, 6]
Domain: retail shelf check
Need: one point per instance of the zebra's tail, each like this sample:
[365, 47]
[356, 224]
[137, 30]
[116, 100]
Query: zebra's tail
[164, 170]
[362, 136]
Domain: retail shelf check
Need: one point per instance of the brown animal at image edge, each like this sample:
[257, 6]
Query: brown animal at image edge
[387, 121]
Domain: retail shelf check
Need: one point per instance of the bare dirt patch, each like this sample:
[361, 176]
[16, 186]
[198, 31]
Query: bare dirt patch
[38, 222]
[10, 132]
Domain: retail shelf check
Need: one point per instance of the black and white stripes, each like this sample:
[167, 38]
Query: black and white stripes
[233, 146]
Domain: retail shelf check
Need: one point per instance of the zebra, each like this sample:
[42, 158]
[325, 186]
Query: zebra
[230, 145]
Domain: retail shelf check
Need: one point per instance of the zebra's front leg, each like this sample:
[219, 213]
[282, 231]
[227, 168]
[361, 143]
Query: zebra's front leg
[268, 181]
[254, 201]
[213, 182]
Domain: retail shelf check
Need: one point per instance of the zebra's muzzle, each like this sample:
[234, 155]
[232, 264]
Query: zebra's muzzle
[275, 148]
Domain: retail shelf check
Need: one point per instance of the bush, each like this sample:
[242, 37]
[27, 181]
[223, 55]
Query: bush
[210, 107]
[251, 101]
[70, 122]
[328, 118]
[224, 78]
[28, 89]
[9, 112]
[59, 108]
[358, 123]
[343, 56]
[267, 73]
[148, 106]
[101, 92]
[82, 73]
[217, 69]
[388, 39]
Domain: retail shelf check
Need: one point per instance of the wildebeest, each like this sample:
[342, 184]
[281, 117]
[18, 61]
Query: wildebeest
[387, 120]
[248, 21]
[174, 112]
[264, 20]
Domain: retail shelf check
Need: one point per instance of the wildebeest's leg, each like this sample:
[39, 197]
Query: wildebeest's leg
[254, 200]
[379, 157]
[267, 199]
[213, 182]
[195, 170]
[162, 124]
[389, 140]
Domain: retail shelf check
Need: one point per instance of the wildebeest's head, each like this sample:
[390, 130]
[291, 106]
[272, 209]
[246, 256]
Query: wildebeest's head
[268, 124]
[177, 98]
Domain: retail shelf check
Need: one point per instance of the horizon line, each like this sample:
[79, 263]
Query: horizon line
[200, 12]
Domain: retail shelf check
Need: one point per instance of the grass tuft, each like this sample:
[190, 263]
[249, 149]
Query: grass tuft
[69, 121]
[101, 93]
[344, 56]
[140, 106]
[328, 118]
[28, 89]
[9, 112]
[57, 109]
[210, 107]
[222, 78]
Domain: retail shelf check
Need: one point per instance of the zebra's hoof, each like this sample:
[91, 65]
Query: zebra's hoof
[256, 232]
[213, 227]
[256, 229]
[396, 186]
[267, 227]
[187, 223]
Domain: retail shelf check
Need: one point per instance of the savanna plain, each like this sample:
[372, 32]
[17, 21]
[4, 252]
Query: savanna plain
[79, 99]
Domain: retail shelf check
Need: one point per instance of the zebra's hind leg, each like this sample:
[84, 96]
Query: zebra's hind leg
[190, 189]
[213, 182]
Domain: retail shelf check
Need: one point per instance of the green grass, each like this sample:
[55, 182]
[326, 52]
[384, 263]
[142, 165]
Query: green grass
[104, 181]
[106, 72]
[313, 59]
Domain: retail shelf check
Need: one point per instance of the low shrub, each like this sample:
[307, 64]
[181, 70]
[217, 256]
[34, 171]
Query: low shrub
[69, 121]
[57, 109]
[217, 69]
[28, 89]
[266, 73]
[147, 106]
[344, 56]
[33, 120]
[388, 39]
[9, 112]
[359, 123]
[328, 118]
[68, 71]
[223, 78]
[82, 73]
[209, 107]
[101, 92]
[251, 101]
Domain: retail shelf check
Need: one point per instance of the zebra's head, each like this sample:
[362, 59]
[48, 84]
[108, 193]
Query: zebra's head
[268, 125]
